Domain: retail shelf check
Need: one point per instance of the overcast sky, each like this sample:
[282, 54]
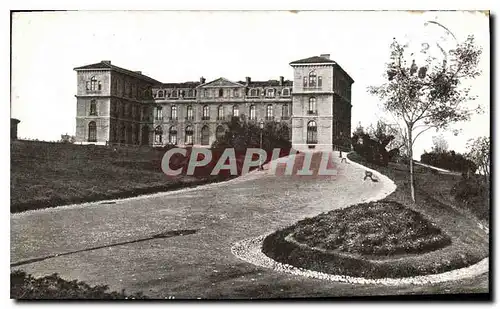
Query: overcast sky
[182, 46]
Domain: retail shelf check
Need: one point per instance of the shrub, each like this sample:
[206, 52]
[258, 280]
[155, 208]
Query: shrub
[473, 194]
[25, 286]
[449, 160]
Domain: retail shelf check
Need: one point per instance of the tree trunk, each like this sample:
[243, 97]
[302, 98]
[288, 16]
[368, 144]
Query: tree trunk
[410, 153]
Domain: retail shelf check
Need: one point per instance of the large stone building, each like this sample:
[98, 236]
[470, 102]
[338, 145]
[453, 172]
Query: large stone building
[115, 105]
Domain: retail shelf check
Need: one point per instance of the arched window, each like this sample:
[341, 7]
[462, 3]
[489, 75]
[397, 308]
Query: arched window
[312, 106]
[220, 113]
[320, 81]
[285, 132]
[206, 113]
[236, 111]
[189, 113]
[286, 92]
[93, 108]
[253, 116]
[269, 112]
[92, 132]
[173, 112]
[189, 135]
[172, 135]
[312, 79]
[312, 132]
[205, 136]
[160, 94]
[285, 112]
[158, 135]
[220, 132]
[93, 84]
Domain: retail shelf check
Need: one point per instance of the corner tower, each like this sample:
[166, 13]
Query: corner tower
[321, 103]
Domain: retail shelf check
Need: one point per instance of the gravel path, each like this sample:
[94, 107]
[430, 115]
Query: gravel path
[199, 265]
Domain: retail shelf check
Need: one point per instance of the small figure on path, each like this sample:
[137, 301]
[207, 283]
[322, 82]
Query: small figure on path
[369, 174]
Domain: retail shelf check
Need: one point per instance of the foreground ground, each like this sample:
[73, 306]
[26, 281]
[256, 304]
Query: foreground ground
[200, 264]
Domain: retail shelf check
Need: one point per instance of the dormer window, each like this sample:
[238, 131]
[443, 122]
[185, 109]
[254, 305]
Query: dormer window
[254, 92]
[160, 94]
[286, 92]
[270, 92]
[174, 94]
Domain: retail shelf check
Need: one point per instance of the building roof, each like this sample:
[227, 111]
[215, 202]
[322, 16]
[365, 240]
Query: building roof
[267, 83]
[181, 85]
[107, 65]
[314, 59]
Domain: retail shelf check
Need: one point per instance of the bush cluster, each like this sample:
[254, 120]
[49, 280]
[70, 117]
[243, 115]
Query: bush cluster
[449, 160]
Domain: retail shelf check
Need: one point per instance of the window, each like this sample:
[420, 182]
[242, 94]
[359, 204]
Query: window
[312, 132]
[286, 92]
[305, 81]
[158, 135]
[93, 85]
[189, 135]
[285, 113]
[320, 81]
[92, 132]
[191, 93]
[172, 136]
[269, 112]
[189, 113]
[312, 79]
[220, 112]
[221, 92]
[145, 113]
[220, 132]
[254, 92]
[285, 132]
[174, 94]
[270, 92]
[206, 113]
[205, 93]
[205, 136]
[93, 108]
[236, 93]
[160, 94]
[312, 106]
[253, 116]
[173, 112]
[236, 111]
[159, 114]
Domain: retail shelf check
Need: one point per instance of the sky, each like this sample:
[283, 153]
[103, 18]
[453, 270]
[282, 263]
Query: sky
[175, 46]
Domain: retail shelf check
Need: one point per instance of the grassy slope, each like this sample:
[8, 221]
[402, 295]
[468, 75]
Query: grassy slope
[52, 174]
[469, 242]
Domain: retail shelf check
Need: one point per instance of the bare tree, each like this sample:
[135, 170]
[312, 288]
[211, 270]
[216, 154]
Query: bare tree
[429, 96]
[479, 153]
[440, 144]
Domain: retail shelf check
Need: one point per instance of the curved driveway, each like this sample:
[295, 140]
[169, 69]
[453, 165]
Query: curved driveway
[200, 264]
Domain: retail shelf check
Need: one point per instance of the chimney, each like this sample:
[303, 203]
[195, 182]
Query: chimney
[326, 56]
[282, 79]
[106, 61]
[248, 80]
[202, 80]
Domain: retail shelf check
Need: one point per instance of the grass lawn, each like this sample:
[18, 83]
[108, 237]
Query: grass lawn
[53, 174]
[392, 238]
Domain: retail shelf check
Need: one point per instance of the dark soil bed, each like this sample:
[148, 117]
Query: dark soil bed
[376, 228]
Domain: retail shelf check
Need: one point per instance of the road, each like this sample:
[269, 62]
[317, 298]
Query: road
[198, 265]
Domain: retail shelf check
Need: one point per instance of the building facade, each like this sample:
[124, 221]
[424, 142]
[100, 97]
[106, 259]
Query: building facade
[115, 105]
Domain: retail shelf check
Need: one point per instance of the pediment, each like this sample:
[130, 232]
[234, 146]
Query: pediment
[221, 82]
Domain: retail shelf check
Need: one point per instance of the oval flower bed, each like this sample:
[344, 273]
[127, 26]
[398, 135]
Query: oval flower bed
[372, 240]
